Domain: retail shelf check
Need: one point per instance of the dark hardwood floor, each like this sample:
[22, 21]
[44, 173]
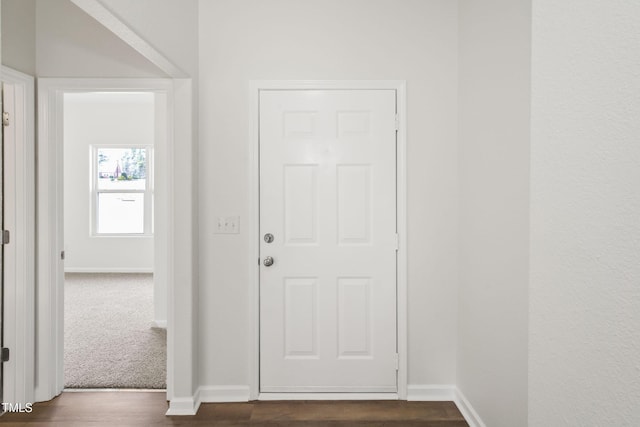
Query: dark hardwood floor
[122, 408]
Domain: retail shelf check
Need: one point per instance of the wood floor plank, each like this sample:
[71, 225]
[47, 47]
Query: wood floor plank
[97, 409]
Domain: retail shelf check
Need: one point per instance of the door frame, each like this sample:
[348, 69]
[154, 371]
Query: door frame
[255, 86]
[173, 229]
[19, 286]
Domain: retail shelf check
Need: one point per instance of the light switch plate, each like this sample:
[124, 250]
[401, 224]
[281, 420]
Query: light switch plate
[227, 225]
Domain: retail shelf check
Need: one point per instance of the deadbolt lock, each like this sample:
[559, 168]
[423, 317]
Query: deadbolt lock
[268, 237]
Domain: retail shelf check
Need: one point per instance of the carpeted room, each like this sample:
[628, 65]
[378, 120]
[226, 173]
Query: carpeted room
[109, 337]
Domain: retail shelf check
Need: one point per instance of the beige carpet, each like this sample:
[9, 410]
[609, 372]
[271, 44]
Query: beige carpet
[108, 335]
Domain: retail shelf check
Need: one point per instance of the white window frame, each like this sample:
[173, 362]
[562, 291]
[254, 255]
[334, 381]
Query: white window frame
[148, 191]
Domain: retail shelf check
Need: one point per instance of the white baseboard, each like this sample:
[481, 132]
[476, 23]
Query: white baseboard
[219, 394]
[328, 396]
[431, 392]
[159, 324]
[445, 392]
[106, 270]
[469, 414]
[183, 406]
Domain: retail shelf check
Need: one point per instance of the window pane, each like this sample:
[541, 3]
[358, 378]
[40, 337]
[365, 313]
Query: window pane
[122, 168]
[120, 213]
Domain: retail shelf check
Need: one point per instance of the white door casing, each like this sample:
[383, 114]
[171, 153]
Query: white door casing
[328, 317]
[173, 231]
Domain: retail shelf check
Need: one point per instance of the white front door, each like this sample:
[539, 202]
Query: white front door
[328, 198]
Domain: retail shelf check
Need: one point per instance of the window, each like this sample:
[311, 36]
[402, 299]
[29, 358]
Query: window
[122, 196]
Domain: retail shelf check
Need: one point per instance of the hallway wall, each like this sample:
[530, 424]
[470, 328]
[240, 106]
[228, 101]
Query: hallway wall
[584, 335]
[248, 40]
[582, 308]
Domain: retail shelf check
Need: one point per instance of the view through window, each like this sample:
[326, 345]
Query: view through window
[122, 188]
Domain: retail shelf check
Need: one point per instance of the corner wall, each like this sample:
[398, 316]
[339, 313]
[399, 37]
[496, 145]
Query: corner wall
[494, 85]
[585, 214]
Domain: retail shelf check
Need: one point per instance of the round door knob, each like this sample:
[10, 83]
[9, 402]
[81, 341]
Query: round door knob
[268, 261]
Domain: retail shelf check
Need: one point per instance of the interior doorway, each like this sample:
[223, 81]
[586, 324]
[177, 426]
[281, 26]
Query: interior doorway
[169, 93]
[113, 336]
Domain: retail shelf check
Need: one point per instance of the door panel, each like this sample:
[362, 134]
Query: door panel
[328, 195]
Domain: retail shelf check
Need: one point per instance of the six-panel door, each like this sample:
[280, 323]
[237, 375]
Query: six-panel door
[328, 198]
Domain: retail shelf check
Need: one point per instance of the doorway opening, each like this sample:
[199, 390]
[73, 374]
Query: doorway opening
[171, 96]
[113, 337]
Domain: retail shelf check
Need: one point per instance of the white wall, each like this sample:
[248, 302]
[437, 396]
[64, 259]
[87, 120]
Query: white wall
[173, 29]
[494, 208]
[584, 354]
[583, 324]
[243, 40]
[101, 119]
[69, 43]
[19, 35]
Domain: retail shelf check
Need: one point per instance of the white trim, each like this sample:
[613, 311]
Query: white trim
[49, 243]
[253, 229]
[114, 390]
[104, 16]
[467, 411]
[445, 393]
[328, 396]
[106, 270]
[402, 272]
[228, 393]
[18, 322]
[327, 84]
[183, 406]
[401, 102]
[431, 393]
[162, 324]
[49, 352]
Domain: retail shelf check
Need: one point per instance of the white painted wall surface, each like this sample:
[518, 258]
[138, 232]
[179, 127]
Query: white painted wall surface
[584, 349]
[103, 119]
[248, 40]
[173, 29]
[69, 43]
[494, 208]
[19, 35]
